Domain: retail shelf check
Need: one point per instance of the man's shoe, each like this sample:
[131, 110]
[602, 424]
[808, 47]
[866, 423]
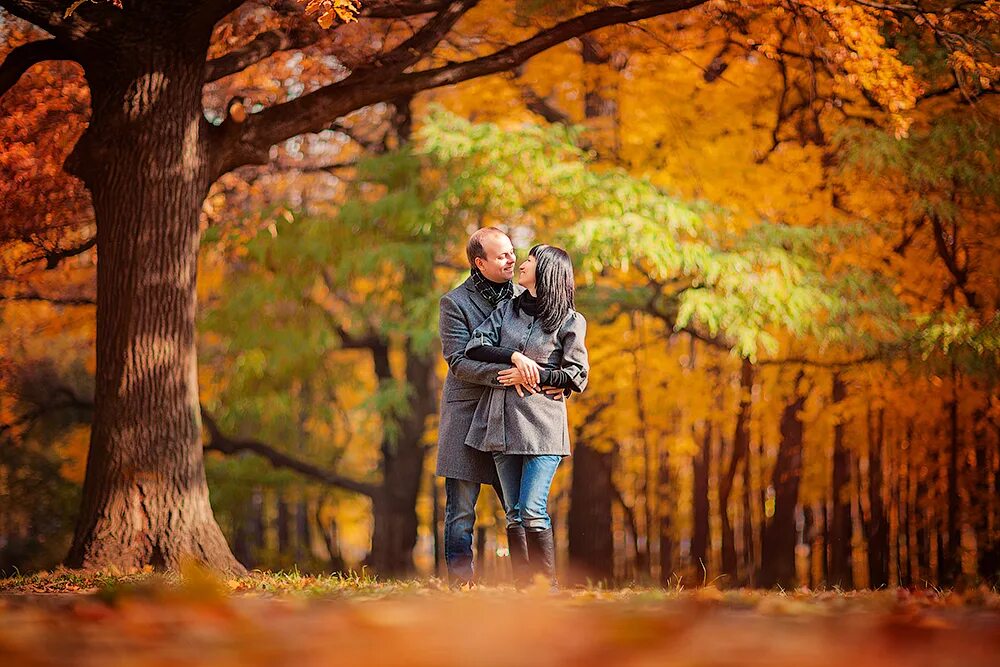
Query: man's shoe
[517, 543]
[542, 554]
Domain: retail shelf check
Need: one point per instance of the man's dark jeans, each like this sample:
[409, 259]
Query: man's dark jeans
[459, 522]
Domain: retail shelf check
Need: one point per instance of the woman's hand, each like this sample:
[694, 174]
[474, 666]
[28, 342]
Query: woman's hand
[529, 369]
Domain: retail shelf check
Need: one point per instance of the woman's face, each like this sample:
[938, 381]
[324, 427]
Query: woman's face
[526, 274]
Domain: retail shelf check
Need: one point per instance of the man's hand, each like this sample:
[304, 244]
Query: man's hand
[513, 377]
[555, 393]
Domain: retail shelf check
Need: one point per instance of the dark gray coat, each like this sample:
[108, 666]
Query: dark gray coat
[534, 423]
[462, 310]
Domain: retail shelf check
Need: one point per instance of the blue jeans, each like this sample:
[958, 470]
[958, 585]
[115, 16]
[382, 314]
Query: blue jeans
[526, 479]
[459, 521]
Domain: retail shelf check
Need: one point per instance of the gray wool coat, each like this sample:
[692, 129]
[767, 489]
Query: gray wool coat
[462, 310]
[534, 423]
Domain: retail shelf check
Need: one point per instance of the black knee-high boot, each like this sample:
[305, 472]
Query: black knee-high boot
[542, 553]
[517, 543]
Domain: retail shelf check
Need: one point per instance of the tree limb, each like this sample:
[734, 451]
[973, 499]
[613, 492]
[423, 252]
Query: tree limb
[262, 46]
[395, 10]
[248, 142]
[222, 443]
[54, 300]
[48, 15]
[421, 42]
[53, 257]
[22, 58]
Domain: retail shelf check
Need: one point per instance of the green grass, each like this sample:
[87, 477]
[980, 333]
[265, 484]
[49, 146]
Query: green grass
[195, 583]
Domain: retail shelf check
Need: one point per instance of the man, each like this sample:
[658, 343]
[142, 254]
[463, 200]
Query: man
[491, 259]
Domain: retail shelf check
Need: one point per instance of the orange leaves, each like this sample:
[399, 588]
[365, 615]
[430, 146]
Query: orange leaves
[76, 3]
[328, 12]
[147, 624]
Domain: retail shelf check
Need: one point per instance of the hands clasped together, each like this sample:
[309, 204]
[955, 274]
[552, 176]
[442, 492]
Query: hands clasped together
[525, 376]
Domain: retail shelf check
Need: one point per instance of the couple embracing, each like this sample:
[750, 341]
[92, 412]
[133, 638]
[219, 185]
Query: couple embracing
[514, 353]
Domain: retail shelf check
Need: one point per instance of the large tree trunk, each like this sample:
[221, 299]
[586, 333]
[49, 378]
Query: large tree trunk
[395, 506]
[145, 497]
[591, 542]
[778, 543]
[840, 569]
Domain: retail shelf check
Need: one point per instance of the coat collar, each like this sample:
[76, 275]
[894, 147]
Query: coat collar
[470, 285]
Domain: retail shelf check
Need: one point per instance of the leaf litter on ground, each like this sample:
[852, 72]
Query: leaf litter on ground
[193, 617]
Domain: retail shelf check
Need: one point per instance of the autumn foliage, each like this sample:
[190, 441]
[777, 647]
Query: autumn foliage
[783, 217]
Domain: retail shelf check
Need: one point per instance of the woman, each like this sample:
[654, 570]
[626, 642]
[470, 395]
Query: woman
[541, 334]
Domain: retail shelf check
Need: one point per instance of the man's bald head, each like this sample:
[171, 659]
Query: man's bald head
[491, 251]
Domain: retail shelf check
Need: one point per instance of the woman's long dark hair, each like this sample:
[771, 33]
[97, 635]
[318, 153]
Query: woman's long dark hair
[553, 284]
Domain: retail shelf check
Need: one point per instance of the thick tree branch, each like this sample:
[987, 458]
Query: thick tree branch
[46, 14]
[54, 300]
[21, 59]
[237, 144]
[222, 443]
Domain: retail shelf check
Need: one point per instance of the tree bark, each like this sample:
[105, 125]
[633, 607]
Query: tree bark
[840, 570]
[878, 527]
[749, 533]
[143, 157]
[700, 505]
[778, 543]
[987, 541]
[395, 504]
[591, 542]
[740, 453]
[666, 534]
[950, 557]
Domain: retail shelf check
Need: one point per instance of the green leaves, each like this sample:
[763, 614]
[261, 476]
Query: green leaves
[743, 289]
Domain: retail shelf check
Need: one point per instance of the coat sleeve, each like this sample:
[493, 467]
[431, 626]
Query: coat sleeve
[455, 335]
[487, 334]
[575, 362]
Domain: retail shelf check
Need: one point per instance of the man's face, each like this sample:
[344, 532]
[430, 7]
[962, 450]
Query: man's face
[498, 265]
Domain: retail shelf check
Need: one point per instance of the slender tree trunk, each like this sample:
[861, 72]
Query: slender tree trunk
[749, 524]
[809, 538]
[878, 527]
[740, 453]
[840, 528]
[778, 557]
[699, 503]
[987, 541]
[144, 159]
[666, 531]
[922, 516]
[284, 525]
[303, 531]
[951, 555]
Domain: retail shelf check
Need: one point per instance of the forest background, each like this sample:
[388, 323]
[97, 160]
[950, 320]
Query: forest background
[784, 222]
